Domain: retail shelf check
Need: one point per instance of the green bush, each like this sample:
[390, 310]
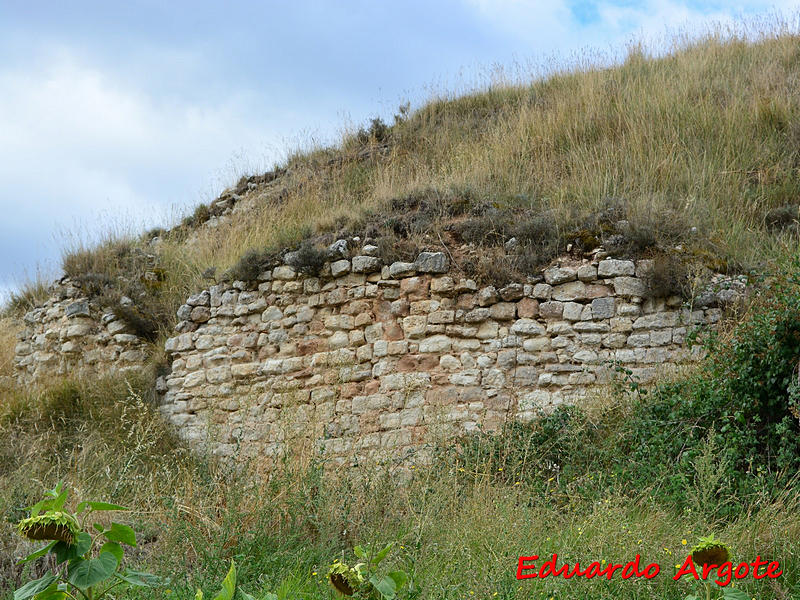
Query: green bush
[741, 403]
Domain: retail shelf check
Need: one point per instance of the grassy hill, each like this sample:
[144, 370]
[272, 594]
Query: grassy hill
[693, 156]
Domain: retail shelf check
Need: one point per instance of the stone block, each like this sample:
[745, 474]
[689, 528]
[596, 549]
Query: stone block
[414, 326]
[542, 291]
[558, 275]
[284, 273]
[366, 264]
[567, 292]
[436, 343]
[340, 267]
[603, 308]
[551, 310]
[527, 308]
[572, 311]
[528, 327]
[629, 286]
[511, 292]
[503, 311]
[487, 296]
[587, 273]
[615, 268]
[443, 285]
[402, 269]
[432, 262]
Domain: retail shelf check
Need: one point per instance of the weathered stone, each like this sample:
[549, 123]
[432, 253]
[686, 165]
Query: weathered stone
[527, 308]
[629, 286]
[340, 267]
[436, 343]
[366, 264]
[432, 262]
[557, 275]
[78, 330]
[551, 310]
[603, 308]
[401, 269]
[511, 292]
[503, 311]
[77, 309]
[200, 314]
[444, 286]
[587, 273]
[284, 273]
[615, 268]
[574, 290]
[528, 327]
[201, 299]
[337, 249]
[542, 291]
[487, 296]
[572, 311]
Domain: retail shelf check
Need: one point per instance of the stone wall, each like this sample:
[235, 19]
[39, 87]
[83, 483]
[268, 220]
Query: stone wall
[71, 333]
[368, 359]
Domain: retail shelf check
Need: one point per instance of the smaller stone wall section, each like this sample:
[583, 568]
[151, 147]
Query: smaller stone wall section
[70, 333]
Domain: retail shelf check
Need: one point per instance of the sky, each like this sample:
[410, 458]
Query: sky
[119, 116]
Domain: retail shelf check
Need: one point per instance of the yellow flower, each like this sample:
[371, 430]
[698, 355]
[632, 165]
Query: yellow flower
[684, 542]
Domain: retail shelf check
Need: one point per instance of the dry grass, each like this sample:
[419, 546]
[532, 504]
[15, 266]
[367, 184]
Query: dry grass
[8, 340]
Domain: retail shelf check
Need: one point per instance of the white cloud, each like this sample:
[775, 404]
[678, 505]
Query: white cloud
[83, 150]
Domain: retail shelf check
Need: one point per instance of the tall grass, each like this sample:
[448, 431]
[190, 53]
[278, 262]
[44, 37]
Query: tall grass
[459, 524]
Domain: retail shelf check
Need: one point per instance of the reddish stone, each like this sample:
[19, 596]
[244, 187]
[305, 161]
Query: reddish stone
[393, 331]
[527, 308]
[305, 347]
[371, 387]
[349, 390]
[466, 301]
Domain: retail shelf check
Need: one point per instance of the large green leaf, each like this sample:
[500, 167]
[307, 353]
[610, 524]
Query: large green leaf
[228, 585]
[85, 573]
[32, 588]
[360, 552]
[64, 551]
[120, 533]
[99, 506]
[38, 553]
[114, 548]
[139, 578]
[53, 592]
[381, 555]
[399, 578]
[385, 586]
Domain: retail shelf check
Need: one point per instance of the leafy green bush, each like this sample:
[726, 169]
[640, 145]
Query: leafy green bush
[741, 402]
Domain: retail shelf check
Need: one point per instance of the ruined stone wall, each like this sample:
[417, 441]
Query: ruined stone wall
[70, 333]
[370, 360]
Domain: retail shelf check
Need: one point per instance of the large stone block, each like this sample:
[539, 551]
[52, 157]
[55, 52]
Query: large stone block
[432, 262]
[615, 268]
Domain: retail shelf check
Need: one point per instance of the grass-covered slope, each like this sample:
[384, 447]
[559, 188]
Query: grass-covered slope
[693, 156]
[697, 150]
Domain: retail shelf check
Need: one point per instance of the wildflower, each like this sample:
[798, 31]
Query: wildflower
[683, 542]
